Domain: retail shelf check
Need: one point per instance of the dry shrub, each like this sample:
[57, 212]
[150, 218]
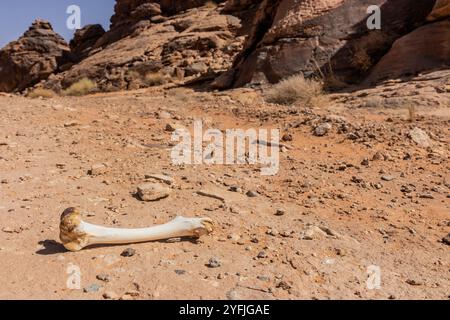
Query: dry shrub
[41, 93]
[179, 94]
[211, 4]
[81, 88]
[297, 89]
[153, 79]
[412, 113]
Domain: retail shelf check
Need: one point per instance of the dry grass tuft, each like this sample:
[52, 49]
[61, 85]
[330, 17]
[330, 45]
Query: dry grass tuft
[297, 89]
[41, 93]
[81, 88]
[153, 79]
[412, 113]
[211, 4]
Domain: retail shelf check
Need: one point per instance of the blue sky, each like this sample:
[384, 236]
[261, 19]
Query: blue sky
[17, 15]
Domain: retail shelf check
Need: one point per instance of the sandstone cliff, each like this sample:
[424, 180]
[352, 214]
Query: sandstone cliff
[236, 43]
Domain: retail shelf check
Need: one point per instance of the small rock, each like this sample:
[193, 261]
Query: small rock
[312, 233]
[172, 127]
[284, 285]
[287, 137]
[252, 194]
[356, 179]
[103, 277]
[272, 232]
[420, 137]
[412, 282]
[214, 263]
[161, 177]
[262, 255]
[322, 129]
[235, 189]
[446, 240]
[97, 169]
[153, 192]
[264, 278]
[387, 177]
[92, 288]
[163, 115]
[110, 295]
[180, 272]
[8, 230]
[128, 252]
[280, 213]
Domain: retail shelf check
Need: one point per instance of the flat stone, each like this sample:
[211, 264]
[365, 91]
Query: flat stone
[420, 137]
[161, 177]
[128, 253]
[92, 288]
[214, 263]
[153, 192]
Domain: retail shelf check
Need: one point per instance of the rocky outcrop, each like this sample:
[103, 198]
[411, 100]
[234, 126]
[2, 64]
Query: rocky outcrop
[131, 16]
[32, 58]
[326, 37]
[235, 43]
[411, 54]
[441, 10]
[195, 44]
[84, 41]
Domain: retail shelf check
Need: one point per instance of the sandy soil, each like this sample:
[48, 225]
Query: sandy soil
[390, 211]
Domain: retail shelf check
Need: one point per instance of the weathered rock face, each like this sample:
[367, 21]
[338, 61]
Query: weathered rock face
[195, 44]
[131, 16]
[84, 41]
[426, 48]
[32, 58]
[293, 36]
[441, 10]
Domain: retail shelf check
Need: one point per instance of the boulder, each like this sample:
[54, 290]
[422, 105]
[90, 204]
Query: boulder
[84, 40]
[32, 58]
[328, 37]
[426, 48]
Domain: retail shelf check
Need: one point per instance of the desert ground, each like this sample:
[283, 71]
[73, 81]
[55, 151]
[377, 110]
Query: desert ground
[365, 191]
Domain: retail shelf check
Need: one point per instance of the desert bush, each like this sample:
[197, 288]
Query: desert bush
[412, 114]
[297, 89]
[41, 93]
[81, 88]
[211, 4]
[155, 79]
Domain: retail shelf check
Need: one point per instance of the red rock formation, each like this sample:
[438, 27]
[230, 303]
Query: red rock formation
[84, 41]
[303, 36]
[32, 58]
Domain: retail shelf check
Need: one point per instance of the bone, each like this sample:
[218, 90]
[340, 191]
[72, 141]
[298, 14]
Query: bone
[77, 234]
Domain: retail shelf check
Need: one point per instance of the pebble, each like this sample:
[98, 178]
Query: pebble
[161, 177]
[153, 192]
[252, 194]
[262, 255]
[322, 129]
[92, 288]
[97, 169]
[446, 240]
[387, 177]
[180, 272]
[214, 263]
[412, 282]
[103, 277]
[420, 137]
[110, 295]
[128, 252]
[280, 213]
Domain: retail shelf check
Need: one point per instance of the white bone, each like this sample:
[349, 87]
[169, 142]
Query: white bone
[76, 234]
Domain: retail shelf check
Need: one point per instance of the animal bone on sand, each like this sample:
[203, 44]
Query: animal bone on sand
[76, 234]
